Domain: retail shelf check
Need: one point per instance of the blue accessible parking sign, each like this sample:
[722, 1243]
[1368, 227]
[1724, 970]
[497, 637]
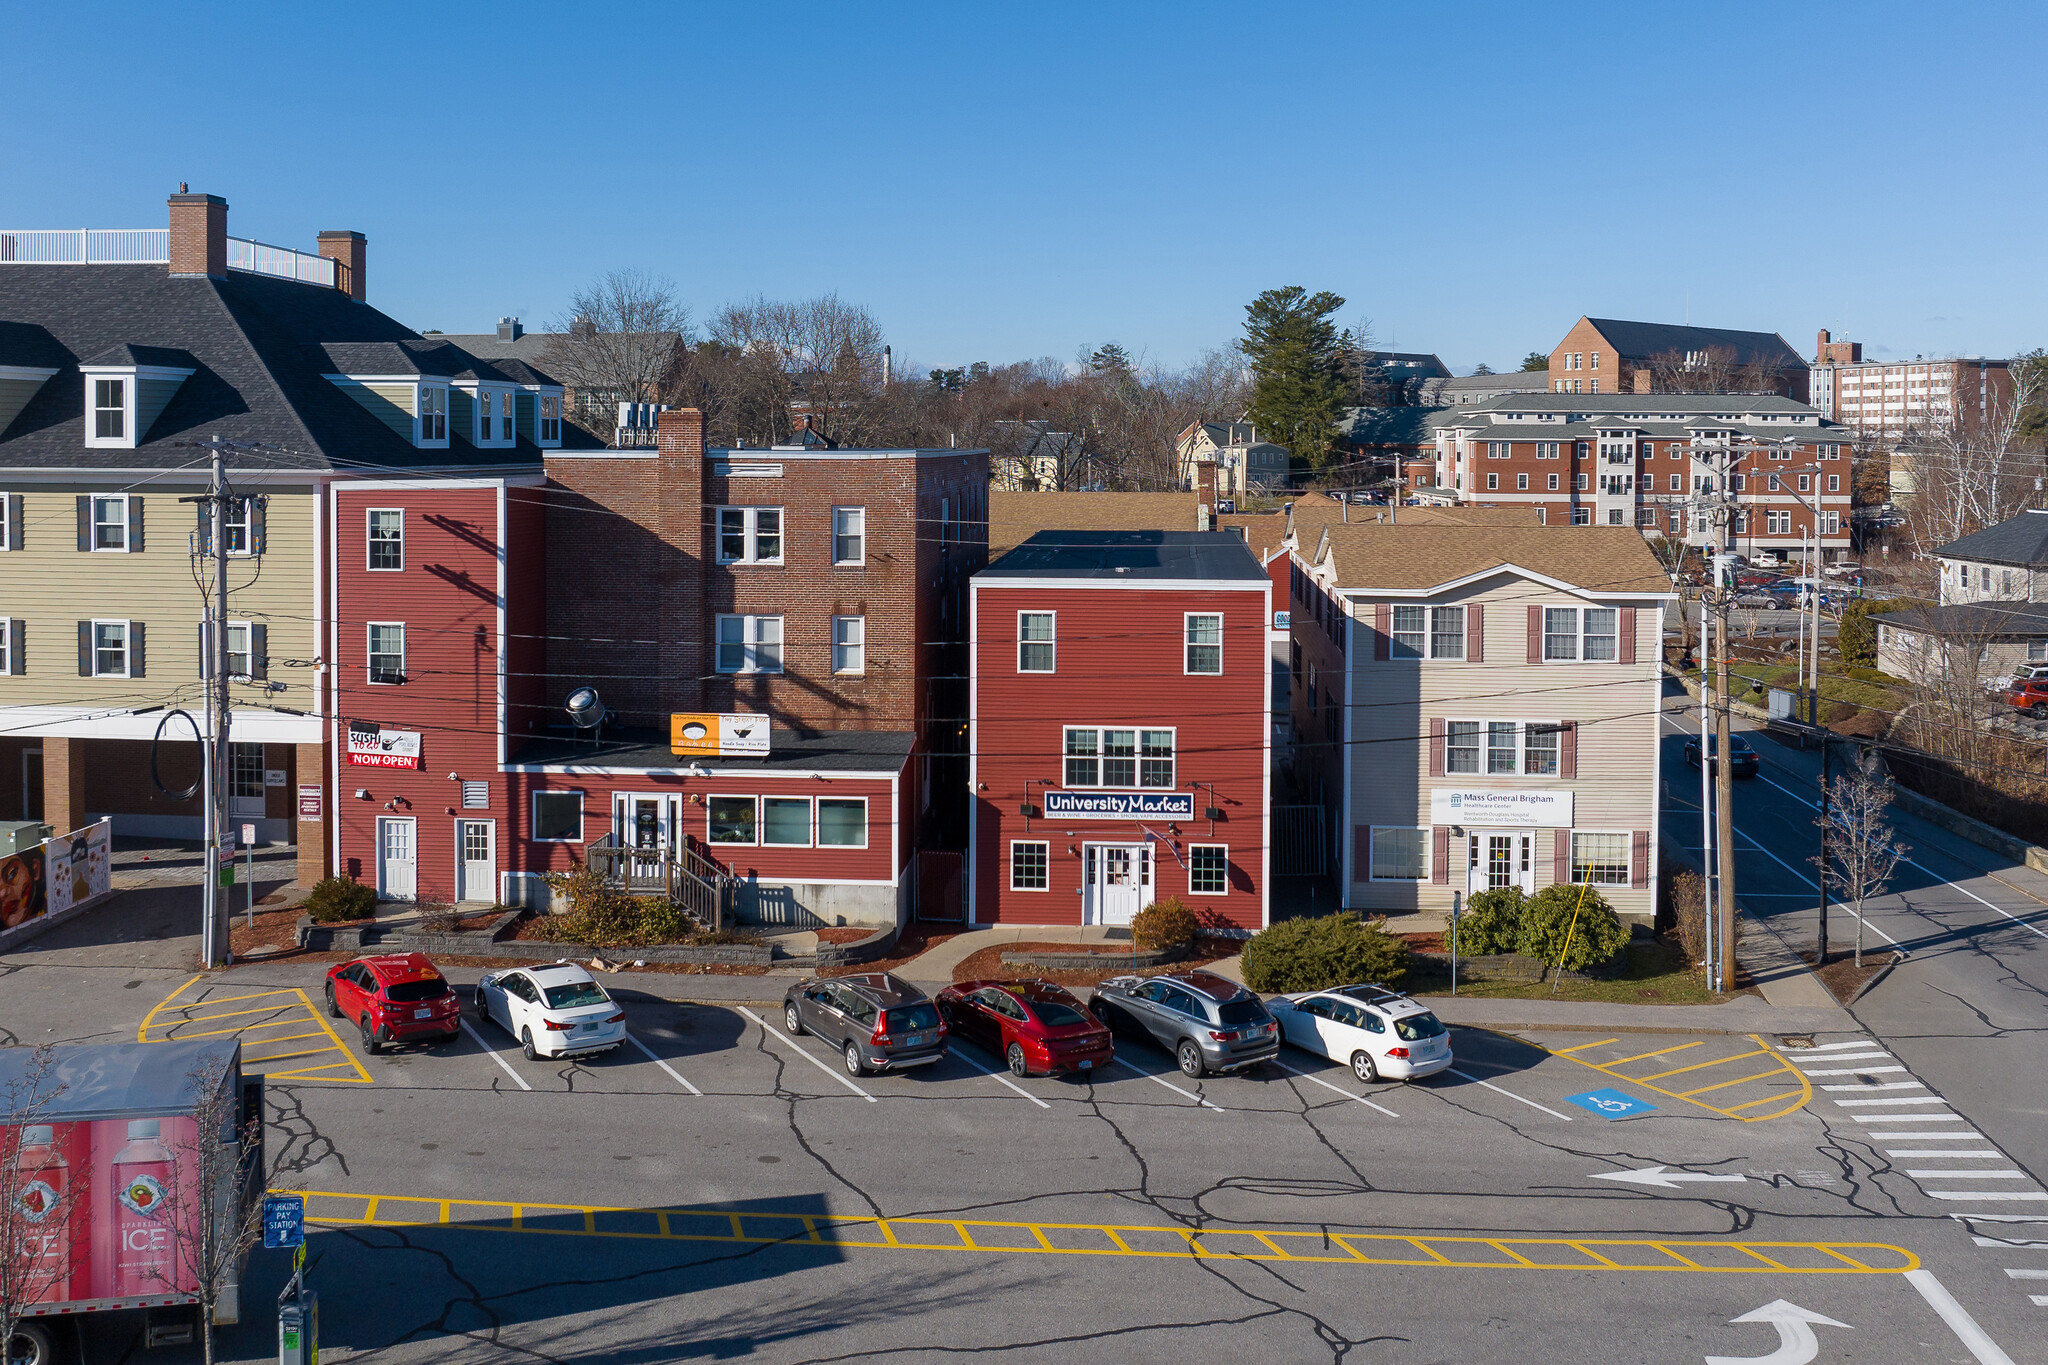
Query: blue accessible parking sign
[284, 1220]
[1610, 1104]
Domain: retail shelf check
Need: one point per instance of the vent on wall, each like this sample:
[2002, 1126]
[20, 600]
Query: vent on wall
[476, 796]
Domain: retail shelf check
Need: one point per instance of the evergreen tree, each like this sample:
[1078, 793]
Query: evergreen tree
[1535, 360]
[1110, 359]
[1299, 380]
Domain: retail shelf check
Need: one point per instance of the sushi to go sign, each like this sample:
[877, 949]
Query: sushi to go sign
[371, 746]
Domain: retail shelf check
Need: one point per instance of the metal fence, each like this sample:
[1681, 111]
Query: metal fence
[1300, 845]
[261, 258]
[86, 246]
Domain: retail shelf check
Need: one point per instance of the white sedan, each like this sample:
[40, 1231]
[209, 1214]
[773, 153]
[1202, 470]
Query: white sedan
[1379, 1034]
[554, 1011]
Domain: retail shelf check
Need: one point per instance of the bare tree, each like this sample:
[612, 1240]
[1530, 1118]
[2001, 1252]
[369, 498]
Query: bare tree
[1973, 467]
[617, 343]
[818, 358]
[38, 1204]
[1716, 369]
[214, 1204]
[1860, 852]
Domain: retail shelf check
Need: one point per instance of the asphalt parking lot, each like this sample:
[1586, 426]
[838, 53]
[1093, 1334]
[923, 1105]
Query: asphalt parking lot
[718, 1189]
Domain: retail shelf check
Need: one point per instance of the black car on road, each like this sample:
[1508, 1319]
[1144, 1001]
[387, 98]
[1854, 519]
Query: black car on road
[877, 1021]
[1208, 1022]
[1744, 763]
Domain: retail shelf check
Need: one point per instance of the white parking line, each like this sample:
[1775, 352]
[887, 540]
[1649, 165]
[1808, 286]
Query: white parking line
[998, 1076]
[1875, 1051]
[1836, 905]
[805, 1053]
[1338, 1088]
[492, 1053]
[1960, 1322]
[677, 1075]
[1509, 1093]
[1967, 1153]
[1995, 1196]
[1161, 1080]
[1881, 1085]
[1968, 1175]
[1895, 1099]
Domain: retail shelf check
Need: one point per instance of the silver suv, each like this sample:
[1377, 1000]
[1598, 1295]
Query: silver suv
[1208, 1021]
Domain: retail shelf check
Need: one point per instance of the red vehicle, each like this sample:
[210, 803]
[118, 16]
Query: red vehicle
[394, 998]
[2029, 695]
[1034, 1026]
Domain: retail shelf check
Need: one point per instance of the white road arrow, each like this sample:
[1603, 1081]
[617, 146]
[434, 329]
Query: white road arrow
[1796, 1342]
[1665, 1179]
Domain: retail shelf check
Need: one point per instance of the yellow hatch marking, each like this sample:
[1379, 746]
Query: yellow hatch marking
[167, 1022]
[1781, 1102]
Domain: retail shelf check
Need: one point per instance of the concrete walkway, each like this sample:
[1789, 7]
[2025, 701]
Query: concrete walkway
[937, 964]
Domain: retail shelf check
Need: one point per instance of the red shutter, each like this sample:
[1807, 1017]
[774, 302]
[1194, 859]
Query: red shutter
[1436, 746]
[1568, 749]
[1639, 859]
[1383, 631]
[1627, 652]
[1475, 632]
[1535, 635]
[1561, 856]
[1440, 854]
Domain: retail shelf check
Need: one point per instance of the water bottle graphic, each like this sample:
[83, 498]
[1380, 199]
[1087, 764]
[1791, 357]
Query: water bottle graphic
[41, 1190]
[140, 1178]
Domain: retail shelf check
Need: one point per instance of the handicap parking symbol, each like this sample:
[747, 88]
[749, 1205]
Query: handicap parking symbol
[1610, 1104]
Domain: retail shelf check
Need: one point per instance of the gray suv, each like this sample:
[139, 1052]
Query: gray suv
[878, 1021]
[1209, 1022]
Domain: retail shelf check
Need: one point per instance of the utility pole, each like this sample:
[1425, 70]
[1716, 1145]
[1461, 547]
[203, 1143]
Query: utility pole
[215, 914]
[1719, 507]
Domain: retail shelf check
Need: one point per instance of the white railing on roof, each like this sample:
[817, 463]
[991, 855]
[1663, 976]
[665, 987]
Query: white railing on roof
[263, 259]
[86, 246]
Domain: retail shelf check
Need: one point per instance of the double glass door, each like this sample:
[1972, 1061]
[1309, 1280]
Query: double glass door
[1499, 858]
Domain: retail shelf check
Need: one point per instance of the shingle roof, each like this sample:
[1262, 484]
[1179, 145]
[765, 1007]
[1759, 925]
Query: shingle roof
[2022, 540]
[1118, 556]
[260, 348]
[1608, 559]
[631, 750]
[162, 357]
[1265, 532]
[1014, 517]
[1384, 426]
[1982, 620]
[1642, 340]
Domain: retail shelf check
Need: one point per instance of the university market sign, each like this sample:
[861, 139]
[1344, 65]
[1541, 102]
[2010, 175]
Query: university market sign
[1483, 806]
[1120, 805]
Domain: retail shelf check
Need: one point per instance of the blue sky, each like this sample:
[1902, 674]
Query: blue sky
[1005, 181]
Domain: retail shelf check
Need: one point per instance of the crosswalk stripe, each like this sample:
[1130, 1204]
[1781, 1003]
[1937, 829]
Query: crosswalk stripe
[1992, 1196]
[1881, 1085]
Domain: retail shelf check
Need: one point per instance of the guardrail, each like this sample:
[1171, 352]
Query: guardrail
[260, 258]
[86, 246]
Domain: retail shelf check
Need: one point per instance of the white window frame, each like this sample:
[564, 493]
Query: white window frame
[1429, 633]
[1521, 483]
[1553, 484]
[370, 540]
[750, 531]
[1044, 847]
[127, 648]
[1627, 857]
[1138, 760]
[370, 629]
[1372, 859]
[750, 643]
[858, 518]
[854, 649]
[582, 801]
[1052, 643]
[1578, 635]
[761, 821]
[1222, 890]
[247, 651]
[865, 834]
[1484, 747]
[120, 500]
[7, 660]
[246, 523]
[9, 533]
[547, 427]
[1190, 644]
[126, 439]
[430, 424]
[710, 797]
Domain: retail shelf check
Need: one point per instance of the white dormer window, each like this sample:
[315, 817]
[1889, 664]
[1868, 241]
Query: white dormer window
[122, 401]
[110, 410]
[433, 421]
[550, 420]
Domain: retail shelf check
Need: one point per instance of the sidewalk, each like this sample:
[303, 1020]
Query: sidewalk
[935, 966]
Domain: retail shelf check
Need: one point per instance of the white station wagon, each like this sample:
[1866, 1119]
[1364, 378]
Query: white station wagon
[1378, 1033]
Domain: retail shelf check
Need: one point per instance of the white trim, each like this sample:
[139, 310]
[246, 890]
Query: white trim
[533, 797]
[837, 562]
[749, 626]
[377, 850]
[1045, 844]
[750, 532]
[1021, 642]
[369, 653]
[1115, 584]
[1628, 857]
[460, 821]
[1428, 855]
[1137, 759]
[369, 539]
[810, 819]
[127, 647]
[1482, 575]
[504, 650]
[327, 647]
[608, 453]
[1192, 891]
[861, 645]
[85, 722]
[1485, 746]
[92, 525]
[895, 838]
[710, 842]
[599, 771]
[973, 878]
[864, 822]
[723, 454]
[1187, 643]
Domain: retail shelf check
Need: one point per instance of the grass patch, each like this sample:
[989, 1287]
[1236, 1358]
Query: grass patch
[1752, 685]
[1656, 975]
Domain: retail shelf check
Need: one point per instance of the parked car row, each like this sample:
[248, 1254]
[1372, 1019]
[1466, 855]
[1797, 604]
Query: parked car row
[876, 1021]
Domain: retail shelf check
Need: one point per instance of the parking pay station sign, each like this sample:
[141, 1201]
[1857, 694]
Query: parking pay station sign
[284, 1220]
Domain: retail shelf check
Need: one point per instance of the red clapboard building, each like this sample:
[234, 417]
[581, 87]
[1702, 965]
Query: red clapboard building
[1118, 737]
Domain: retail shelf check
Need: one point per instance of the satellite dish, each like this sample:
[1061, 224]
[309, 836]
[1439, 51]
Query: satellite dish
[586, 712]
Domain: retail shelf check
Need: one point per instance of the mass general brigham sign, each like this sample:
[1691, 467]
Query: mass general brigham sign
[1481, 806]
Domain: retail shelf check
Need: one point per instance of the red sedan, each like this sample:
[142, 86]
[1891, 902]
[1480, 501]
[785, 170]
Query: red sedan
[394, 998]
[1034, 1026]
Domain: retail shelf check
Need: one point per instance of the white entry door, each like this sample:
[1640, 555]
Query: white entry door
[1119, 882]
[398, 859]
[1501, 858]
[245, 780]
[645, 824]
[476, 865]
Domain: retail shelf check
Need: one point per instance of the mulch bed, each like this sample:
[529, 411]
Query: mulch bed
[850, 933]
[988, 964]
[1839, 974]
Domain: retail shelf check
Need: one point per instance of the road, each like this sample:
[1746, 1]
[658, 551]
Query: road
[729, 1193]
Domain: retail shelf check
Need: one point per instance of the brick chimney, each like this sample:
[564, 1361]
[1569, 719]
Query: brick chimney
[199, 235]
[1205, 488]
[347, 250]
[682, 625]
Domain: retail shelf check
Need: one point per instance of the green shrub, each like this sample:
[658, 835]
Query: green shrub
[1491, 922]
[336, 900]
[1548, 931]
[1316, 954]
[1164, 924]
[602, 916]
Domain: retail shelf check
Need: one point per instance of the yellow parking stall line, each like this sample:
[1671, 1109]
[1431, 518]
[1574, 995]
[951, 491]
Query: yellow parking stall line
[889, 1234]
[1279, 1252]
[1645, 1056]
[1775, 1265]
[1787, 1102]
[966, 1239]
[234, 999]
[142, 1033]
[1585, 1250]
[1582, 1046]
[1036, 1231]
[1701, 1066]
[287, 1056]
[287, 1038]
[239, 1028]
[1723, 1085]
[231, 1014]
[1504, 1249]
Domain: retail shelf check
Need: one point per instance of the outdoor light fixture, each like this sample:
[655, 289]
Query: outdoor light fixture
[362, 793]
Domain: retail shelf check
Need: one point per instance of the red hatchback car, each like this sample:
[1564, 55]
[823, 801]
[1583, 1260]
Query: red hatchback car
[1034, 1026]
[394, 998]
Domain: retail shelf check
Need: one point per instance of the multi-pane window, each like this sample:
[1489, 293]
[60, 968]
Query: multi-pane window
[238, 650]
[1208, 869]
[235, 523]
[1399, 855]
[1522, 483]
[1030, 865]
[1580, 633]
[387, 652]
[550, 419]
[849, 644]
[387, 538]
[1428, 632]
[1204, 642]
[1035, 642]
[1582, 516]
[8, 662]
[1118, 758]
[1553, 482]
[849, 535]
[505, 418]
[110, 649]
[732, 820]
[750, 535]
[1602, 859]
[109, 409]
[750, 644]
[1539, 750]
[1461, 746]
[110, 522]
[1500, 748]
[245, 762]
[433, 414]
[1492, 483]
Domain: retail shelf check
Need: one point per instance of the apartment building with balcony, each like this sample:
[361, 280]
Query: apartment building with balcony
[117, 351]
[1631, 460]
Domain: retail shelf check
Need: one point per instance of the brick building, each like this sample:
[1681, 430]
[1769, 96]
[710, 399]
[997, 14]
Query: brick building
[1119, 733]
[1893, 400]
[1607, 355]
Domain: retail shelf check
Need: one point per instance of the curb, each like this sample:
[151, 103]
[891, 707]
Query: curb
[1882, 973]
